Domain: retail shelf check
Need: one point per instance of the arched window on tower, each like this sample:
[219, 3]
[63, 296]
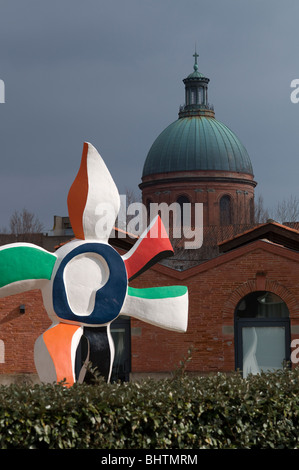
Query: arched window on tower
[225, 206]
[181, 200]
[148, 209]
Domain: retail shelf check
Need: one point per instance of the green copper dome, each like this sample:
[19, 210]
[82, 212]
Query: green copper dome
[197, 143]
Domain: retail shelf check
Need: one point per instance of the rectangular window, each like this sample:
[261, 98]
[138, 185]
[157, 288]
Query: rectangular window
[193, 96]
[200, 96]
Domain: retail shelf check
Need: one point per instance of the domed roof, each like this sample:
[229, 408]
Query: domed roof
[196, 74]
[197, 143]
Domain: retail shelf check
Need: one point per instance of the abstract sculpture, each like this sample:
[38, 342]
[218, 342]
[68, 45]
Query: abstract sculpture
[84, 284]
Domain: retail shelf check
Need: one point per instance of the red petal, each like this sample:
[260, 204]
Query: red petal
[152, 246]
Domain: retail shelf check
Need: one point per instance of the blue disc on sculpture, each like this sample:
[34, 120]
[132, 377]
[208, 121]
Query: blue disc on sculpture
[90, 285]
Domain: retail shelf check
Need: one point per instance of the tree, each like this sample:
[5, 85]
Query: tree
[261, 214]
[287, 210]
[24, 222]
[127, 199]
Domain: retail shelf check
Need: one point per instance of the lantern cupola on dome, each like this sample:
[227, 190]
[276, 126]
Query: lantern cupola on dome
[196, 94]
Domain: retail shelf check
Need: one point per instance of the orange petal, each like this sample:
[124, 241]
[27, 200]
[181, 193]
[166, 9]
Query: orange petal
[61, 347]
[93, 199]
[78, 195]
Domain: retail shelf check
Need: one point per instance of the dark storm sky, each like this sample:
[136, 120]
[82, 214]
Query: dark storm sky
[110, 72]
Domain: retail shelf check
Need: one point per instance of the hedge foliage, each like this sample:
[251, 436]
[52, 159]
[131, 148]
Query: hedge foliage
[218, 411]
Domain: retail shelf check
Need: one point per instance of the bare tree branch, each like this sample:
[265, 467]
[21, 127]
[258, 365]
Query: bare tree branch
[24, 222]
[287, 210]
[261, 214]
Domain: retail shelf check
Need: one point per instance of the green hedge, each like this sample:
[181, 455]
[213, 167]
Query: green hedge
[216, 411]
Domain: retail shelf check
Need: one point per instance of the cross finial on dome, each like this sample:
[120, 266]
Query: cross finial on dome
[195, 55]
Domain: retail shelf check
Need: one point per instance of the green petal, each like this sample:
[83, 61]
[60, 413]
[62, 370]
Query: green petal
[158, 292]
[19, 262]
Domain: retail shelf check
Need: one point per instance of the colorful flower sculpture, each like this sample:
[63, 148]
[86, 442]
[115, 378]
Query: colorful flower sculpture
[84, 284]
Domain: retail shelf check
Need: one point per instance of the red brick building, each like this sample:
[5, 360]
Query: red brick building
[262, 260]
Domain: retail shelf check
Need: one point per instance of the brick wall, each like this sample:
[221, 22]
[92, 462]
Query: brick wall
[19, 331]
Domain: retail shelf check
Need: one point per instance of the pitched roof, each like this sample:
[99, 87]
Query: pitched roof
[272, 231]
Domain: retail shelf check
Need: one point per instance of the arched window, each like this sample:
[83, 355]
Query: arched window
[181, 200]
[262, 329]
[225, 211]
[148, 209]
[148, 205]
